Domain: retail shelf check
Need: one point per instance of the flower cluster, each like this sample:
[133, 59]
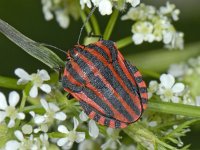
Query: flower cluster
[188, 72]
[151, 25]
[63, 9]
[105, 6]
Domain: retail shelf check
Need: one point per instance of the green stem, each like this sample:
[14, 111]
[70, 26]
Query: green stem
[23, 101]
[111, 23]
[174, 108]
[87, 25]
[95, 24]
[124, 42]
[10, 83]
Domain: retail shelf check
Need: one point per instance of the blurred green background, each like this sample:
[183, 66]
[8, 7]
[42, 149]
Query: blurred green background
[27, 17]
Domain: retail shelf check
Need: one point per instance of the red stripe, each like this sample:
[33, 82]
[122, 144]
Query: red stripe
[117, 114]
[103, 47]
[94, 69]
[102, 59]
[101, 120]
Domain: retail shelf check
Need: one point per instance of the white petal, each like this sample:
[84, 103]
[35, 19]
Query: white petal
[32, 113]
[21, 116]
[138, 38]
[44, 104]
[83, 116]
[62, 18]
[134, 3]
[68, 145]
[105, 7]
[19, 135]
[2, 115]
[11, 123]
[62, 141]
[80, 137]
[63, 129]
[167, 80]
[44, 75]
[39, 119]
[178, 87]
[53, 107]
[197, 100]
[60, 116]
[22, 81]
[93, 129]
[175, 99]
[12, 145]
[13, 98]
[3, 103]
[46, 88]
[21, 73]
[34, 91]
[75, 123]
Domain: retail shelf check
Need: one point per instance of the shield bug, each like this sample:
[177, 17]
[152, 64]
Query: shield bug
[110, 90]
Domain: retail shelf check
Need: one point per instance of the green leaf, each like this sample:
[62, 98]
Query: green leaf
[33, 48]
[10, 83]
[110, 25]
[174, 108]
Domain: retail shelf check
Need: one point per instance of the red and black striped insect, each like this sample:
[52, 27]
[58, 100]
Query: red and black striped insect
[110, 90]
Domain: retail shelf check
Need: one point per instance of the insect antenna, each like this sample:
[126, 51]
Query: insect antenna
[48, 45]
[87, 19]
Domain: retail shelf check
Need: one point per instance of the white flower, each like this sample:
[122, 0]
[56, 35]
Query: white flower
[142, 31]
[170, 9]
[87, 2]
[93, 128]
[46, 8]
[113, 140]
[52, 112]
[174, 40]
[134, 3]
[105, 7]
[71, 136]
[30, 142]
[9, 110]
[178, 70]
[153, 87]
[62, 18]
[168, 89]
[36, 79]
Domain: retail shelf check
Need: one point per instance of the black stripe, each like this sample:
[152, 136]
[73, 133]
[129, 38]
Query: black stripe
[125, 79]
[87, 109]
[99, 50]
[107, 74]
[138, 79]
[97, 83]
[67, 84]
[96, 117]
[107, 122]
[143, 89]
[74, 73]
[144, 100]
[132, 69]
[90, 94]
[117, 124]
[110, 45]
